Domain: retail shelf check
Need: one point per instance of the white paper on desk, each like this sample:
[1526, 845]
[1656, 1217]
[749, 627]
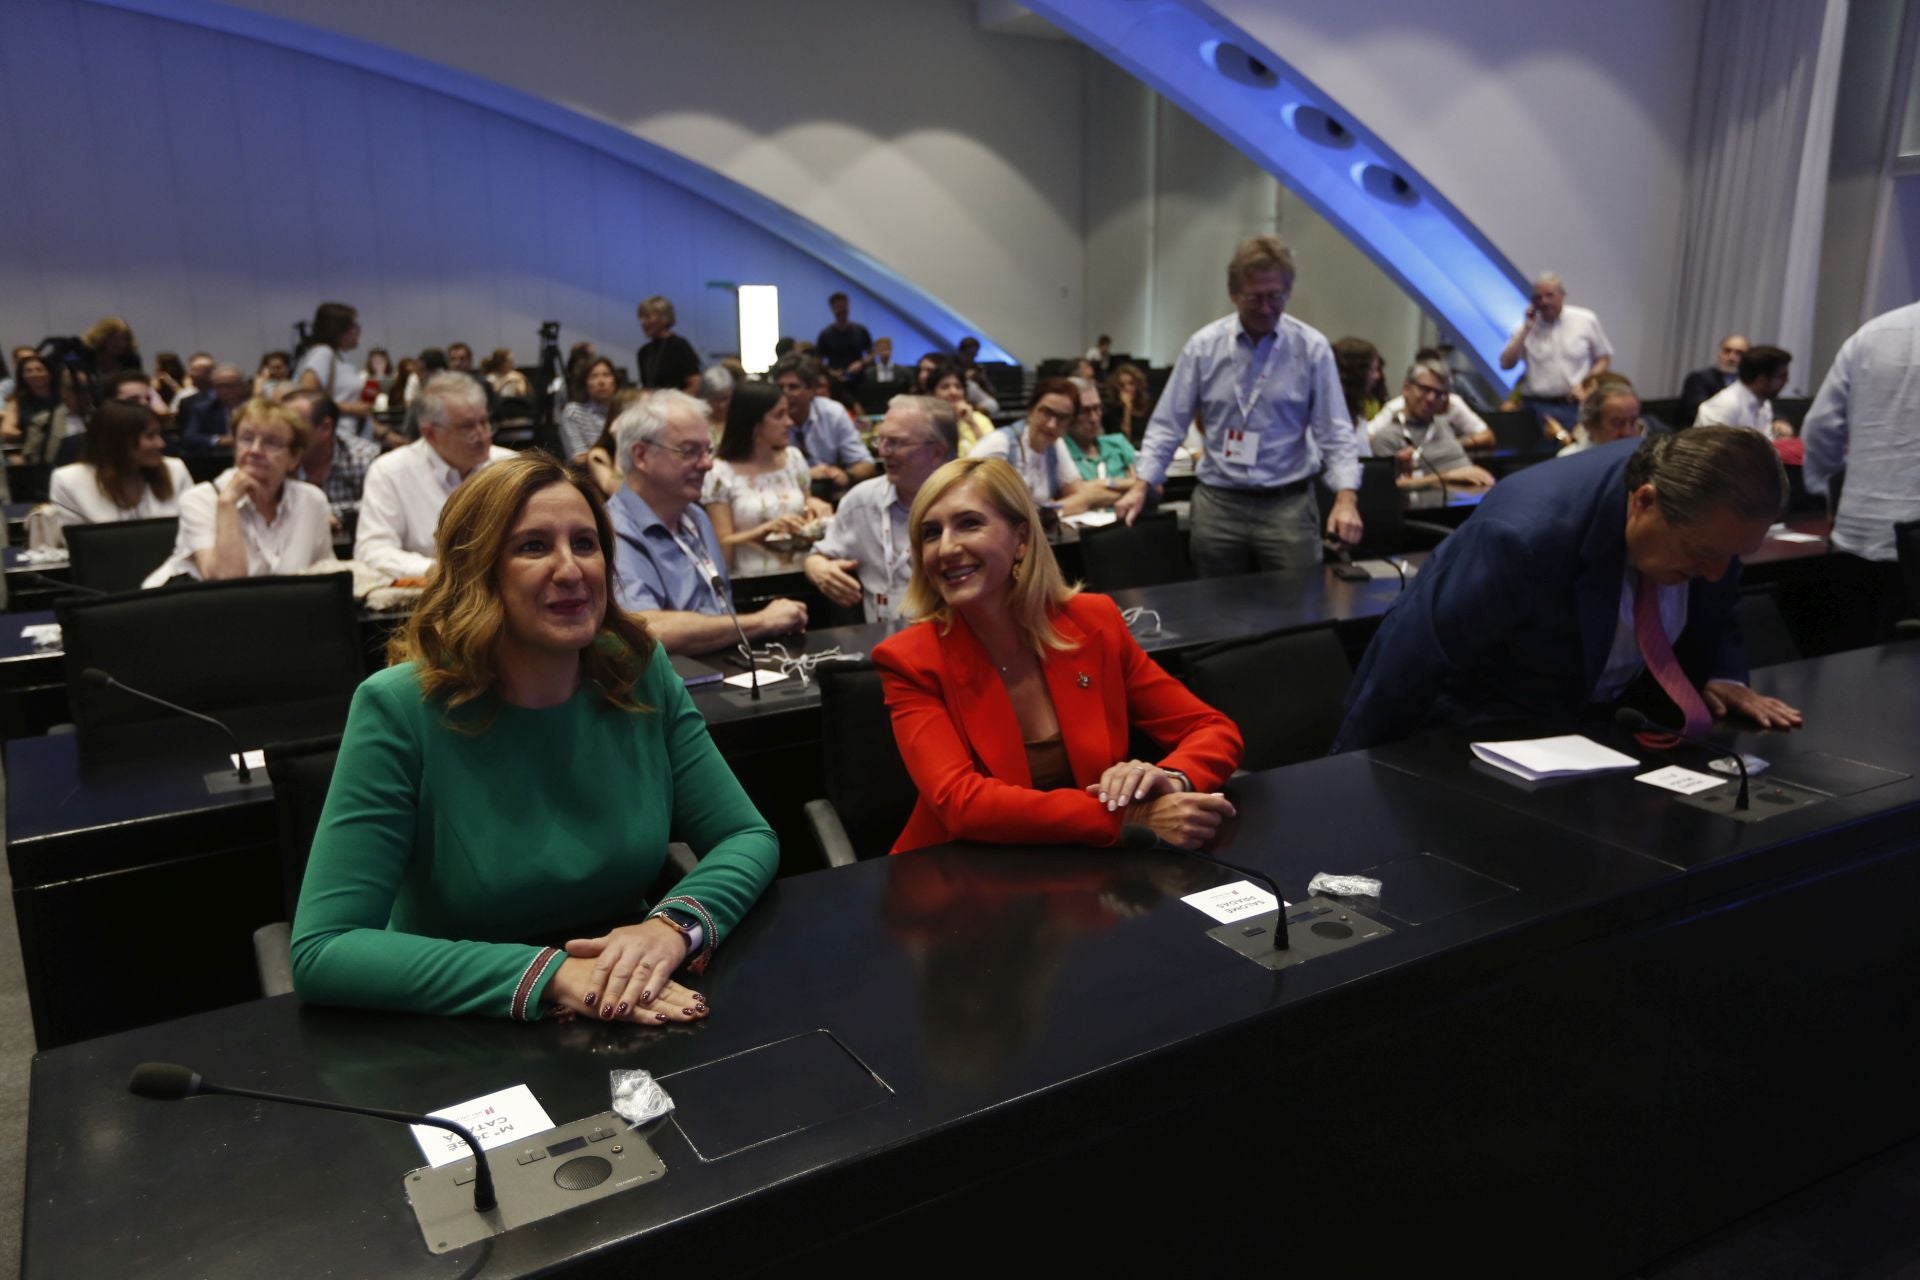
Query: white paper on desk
[1561, 757]
[1090, 519]
[745, 679]
[254, 759]
[1229, 902]
[1684, 781]
[1383, 570]
[1780, 533]
[495, 1120]
[45, 635]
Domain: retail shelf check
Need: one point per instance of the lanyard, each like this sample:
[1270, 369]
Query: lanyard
[1249, 396]
[883, 600]
[692, 545]
[1018, 433]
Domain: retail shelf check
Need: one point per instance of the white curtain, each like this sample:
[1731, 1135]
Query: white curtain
[1757, 181]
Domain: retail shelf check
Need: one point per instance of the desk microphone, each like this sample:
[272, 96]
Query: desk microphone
[1137, 835]
[1346, 554]
[57, 584]
[101, 680]
[1629, 718]
[170, 1082]
[746, 645]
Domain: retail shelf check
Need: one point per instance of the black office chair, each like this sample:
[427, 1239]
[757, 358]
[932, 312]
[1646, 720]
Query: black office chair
[118, 556]
[1906, 546]
[1769, 641]
[1287, 692]
[1383, 512]
[1667, 413]
[302, 773]
[870, 795]
[275, 657]
[1114, 557]
[1518, 431]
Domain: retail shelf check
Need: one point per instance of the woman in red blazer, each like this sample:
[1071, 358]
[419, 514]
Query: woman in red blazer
[1014, 699]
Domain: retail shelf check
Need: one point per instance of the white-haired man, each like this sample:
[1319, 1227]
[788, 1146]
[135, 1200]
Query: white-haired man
[668, 565]
[404, 491]
[1563, 347]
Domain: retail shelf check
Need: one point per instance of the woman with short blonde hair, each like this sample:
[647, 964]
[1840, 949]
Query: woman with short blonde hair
[1014, 700]
[472, 857]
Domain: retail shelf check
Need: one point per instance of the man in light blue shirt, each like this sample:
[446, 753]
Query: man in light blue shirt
[821, 427]
[668, 566]
[1266, 392]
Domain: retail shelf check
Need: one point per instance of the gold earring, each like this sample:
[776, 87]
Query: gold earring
[1014, 573]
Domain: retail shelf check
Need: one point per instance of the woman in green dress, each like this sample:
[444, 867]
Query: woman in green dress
[505, 790]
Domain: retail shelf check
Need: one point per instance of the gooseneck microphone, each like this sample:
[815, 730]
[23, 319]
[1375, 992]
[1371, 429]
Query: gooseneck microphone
[170, 1082]
[1629, 718]
[57, 584]
[746, 646]
[1346, 555]
[101, 680]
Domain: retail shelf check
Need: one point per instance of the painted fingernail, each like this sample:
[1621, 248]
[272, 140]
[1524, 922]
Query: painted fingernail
[660, 1017]
[593, 998]
[622, 1009]
[646, 997]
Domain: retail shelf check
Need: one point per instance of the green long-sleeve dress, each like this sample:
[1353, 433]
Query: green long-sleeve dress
[449, 867]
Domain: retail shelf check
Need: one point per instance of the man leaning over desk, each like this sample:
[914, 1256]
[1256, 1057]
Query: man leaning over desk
[668, 566]
[1570, 580]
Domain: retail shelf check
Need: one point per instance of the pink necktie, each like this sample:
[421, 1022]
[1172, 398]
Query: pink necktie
[1658, 653]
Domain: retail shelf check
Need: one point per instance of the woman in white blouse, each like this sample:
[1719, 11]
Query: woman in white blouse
[253, 519]
[759, 485]
[124, 472]
[325, 367]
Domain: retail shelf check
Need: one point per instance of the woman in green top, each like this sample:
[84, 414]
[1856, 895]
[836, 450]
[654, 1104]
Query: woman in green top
[1101, 455]
[510, 784]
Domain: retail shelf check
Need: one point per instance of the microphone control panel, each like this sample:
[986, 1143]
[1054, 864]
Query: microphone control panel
[542, 1175]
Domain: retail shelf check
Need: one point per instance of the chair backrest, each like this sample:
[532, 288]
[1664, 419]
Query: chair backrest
[1906, 545]
[1793, 411]
[1667, 411]
[119, 555]
[275, 657]
[1764, 629]
[1518, 430]
[1382, 513]
[1150, 553]
[1287, 692]
[868, 784]
[301, 771]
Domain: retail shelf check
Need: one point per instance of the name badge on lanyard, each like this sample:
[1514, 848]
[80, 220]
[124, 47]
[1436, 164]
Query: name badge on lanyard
[1243, 444]
[1242, 447]
[883, 598]
[689, 537]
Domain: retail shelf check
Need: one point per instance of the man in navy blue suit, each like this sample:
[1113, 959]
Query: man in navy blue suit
[1532, 610]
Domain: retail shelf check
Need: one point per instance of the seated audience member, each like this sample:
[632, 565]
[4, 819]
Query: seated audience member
[1748, 399]
[325, 367]
[1130, 404]
[601, 462]
[584, 418]
[253, 519]
[979, 390]
[1610, 412]
[1569, 581]
[716, 388]
[199, 372]
[844, 346]
[881, 370]
[950, 384]
[822, 428]
[106, 349]
[1100, 354]
[1041, 456]
[1015, 700]
[501, 374]
[668, 360]
[274, 376]
[759, 487]
[669, 566]
[204, 418]
[867, 556]
[465, 863]
[1363, 379]
[125, 473]
[432, 361]
[1102, 457]
[169, 376]
[400, 503]
[460, 360]
[1415, 428]
[925, 369]
[1703, 385]
[37, 416]
[334, 461]
[7, 383]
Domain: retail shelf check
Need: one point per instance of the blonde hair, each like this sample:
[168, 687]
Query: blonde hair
[1038, 587]
[455, 631]
[272, 412]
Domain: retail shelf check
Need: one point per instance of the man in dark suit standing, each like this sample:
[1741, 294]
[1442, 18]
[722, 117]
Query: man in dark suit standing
[1572, 579]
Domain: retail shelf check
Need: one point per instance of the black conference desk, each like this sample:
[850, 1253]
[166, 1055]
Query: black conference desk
[1572, 1056]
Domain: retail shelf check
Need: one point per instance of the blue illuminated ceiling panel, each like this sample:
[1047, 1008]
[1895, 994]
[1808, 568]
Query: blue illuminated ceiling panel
[1248, 95]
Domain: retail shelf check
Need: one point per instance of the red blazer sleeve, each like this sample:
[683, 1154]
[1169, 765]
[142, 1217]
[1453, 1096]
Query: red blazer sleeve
[962, 801]
[1199, 741]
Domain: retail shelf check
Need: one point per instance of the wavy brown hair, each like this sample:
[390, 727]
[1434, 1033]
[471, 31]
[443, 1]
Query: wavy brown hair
[455, 631]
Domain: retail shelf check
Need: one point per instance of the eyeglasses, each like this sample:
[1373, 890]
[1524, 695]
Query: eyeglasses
[1053, 415]
[1271, 298]
[471, 430]
[1089, 410]
[885, 446]
[1432, 391]
[695, 452]
[251, 440]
